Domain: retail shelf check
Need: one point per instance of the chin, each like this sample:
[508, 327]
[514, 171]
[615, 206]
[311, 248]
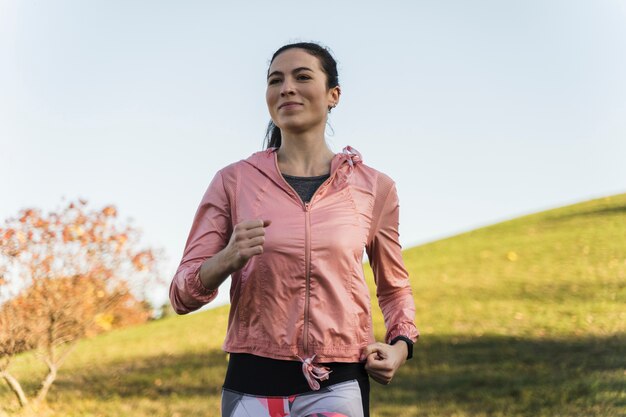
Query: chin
[294, 126]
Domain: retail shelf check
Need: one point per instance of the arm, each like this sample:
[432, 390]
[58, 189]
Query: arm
[393, 289]
[214, 250]
[209, 234]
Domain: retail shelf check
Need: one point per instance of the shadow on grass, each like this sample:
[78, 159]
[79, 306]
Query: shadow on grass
[482, 376]
[601, 211]
[190, 374]
[494, 375]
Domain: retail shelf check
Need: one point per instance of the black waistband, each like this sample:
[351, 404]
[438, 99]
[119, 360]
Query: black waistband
[256, 375]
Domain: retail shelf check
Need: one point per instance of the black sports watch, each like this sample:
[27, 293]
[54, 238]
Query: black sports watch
[409, 344]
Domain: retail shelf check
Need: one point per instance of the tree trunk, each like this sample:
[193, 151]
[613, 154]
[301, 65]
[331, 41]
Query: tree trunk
[15, 387]
[46, 384]
[52, 373]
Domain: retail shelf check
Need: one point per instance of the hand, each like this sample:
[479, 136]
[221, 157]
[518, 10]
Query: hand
[383, 360]
[245, 242]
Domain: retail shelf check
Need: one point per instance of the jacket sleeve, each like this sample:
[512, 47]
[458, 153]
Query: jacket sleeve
[383, 249]
[209, 234]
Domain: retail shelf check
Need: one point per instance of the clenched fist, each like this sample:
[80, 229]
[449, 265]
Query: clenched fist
[245, 242]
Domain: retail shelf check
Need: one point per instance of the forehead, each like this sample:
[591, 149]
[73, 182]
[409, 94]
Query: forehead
[294, 58]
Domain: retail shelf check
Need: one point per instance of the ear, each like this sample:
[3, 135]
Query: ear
[333, 96]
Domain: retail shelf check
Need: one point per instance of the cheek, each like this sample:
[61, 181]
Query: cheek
[268, 97]
[270, 100]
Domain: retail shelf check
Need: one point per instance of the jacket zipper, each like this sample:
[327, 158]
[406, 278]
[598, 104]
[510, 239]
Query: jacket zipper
[307, 258]
[307, 250]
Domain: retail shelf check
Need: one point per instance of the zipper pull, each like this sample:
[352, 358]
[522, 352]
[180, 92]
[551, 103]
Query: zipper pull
[307, 206]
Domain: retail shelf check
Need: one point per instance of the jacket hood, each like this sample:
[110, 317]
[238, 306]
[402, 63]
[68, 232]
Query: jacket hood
[342, 164]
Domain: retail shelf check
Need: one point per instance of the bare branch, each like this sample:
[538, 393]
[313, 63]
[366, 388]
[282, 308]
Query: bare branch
[15, 387]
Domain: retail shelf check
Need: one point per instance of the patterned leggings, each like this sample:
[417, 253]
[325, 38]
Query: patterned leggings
[339, 400]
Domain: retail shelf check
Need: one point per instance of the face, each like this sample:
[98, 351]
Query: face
[297, 96]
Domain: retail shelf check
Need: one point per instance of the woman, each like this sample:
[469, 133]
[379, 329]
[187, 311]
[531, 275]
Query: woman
[289, 224]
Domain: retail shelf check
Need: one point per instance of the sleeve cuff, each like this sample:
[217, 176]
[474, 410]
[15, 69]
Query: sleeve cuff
[199, 290]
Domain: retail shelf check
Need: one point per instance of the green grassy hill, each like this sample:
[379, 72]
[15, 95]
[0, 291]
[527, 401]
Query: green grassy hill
[522, 318]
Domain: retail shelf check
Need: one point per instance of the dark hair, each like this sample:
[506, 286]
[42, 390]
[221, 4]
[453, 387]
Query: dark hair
[273, 137]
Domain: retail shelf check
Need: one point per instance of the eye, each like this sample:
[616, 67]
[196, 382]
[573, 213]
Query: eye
[303, 77]
[273, 81]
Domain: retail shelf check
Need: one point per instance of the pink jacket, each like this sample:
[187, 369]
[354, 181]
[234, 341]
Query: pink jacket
[306, 294]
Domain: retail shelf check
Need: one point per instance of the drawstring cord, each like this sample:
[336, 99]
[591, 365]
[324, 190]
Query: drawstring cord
[353, 157]
[312, 372]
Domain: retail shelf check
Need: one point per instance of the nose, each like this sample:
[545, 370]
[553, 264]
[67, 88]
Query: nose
[286, 87]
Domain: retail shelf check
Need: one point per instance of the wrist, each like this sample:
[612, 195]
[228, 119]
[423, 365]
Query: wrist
[407, 342]
[226, 261]
[402, 348]
[215, 270]
[204, 276]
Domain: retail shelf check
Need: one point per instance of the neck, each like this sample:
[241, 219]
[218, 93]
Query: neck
[304, 155]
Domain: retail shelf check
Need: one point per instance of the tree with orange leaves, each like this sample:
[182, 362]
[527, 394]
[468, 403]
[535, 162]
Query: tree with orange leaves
[63, 276]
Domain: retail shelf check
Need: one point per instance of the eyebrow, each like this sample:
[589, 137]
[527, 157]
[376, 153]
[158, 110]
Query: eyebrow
[294, 71]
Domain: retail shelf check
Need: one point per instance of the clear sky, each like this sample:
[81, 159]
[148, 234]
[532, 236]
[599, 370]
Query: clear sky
[481, 111]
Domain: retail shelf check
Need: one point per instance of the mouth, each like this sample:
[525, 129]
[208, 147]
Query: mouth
[289, 104]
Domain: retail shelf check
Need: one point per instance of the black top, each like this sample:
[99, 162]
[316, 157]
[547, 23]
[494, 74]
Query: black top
[256, 375]
[305, 186]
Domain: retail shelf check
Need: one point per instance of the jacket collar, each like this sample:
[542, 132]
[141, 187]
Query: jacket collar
[342, 164]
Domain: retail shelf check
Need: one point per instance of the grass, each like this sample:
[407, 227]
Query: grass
[522, 318]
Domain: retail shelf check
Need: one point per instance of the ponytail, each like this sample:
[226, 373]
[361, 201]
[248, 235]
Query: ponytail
[273, 138]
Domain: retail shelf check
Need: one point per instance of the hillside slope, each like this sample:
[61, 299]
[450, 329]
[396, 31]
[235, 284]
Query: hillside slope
[521, 318]
[560, 272]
